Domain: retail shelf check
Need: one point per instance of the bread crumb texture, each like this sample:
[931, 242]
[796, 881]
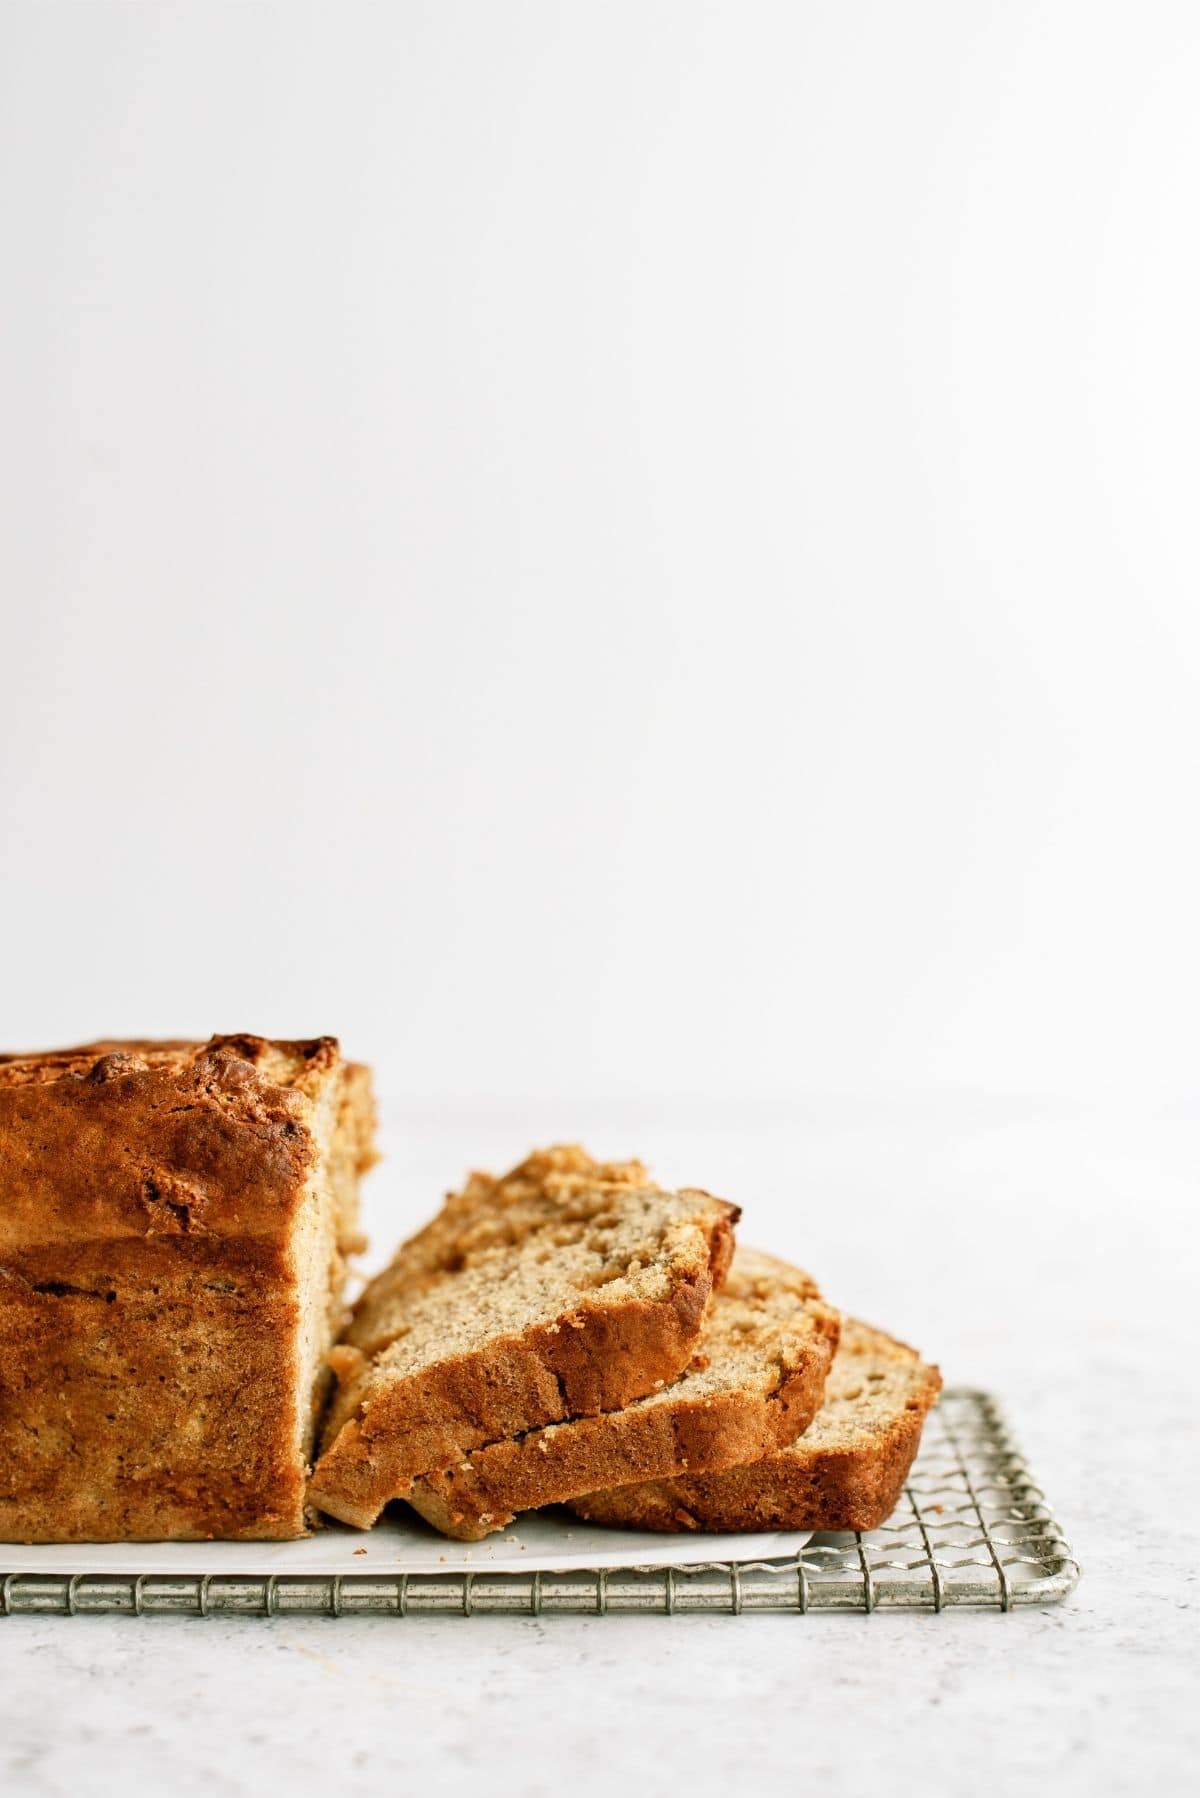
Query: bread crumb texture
[845, 1472]
[564, 1288]
[756, 1381]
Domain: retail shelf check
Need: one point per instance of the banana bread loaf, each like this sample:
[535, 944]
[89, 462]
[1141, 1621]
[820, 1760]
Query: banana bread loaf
[173, 1222]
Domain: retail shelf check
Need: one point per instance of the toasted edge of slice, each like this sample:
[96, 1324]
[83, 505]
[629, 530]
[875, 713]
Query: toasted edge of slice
[757, 1379]
[565, 1289]
[846, 1472]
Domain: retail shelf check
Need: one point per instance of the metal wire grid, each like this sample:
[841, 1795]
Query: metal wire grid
[973, 1528]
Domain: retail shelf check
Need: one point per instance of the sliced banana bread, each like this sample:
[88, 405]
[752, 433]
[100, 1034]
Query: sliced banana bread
[566, 1288]
[846, 1472]
[756, 1379]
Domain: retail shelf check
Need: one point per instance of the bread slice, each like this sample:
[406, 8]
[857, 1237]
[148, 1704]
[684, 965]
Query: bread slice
[566, 1288]
[174, 1219]
[846, 1472]
[757, 1379]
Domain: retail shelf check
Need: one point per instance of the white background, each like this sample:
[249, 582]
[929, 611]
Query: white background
[629, 548]
[639, 563]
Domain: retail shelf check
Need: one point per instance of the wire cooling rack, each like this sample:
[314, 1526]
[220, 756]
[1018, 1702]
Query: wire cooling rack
[973, 1528]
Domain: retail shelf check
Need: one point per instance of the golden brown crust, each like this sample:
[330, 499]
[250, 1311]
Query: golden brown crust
[149, 1292]
[664, 1435]
[125, 1145]
[851, 1482]
[597, 1356]
[126, 1422]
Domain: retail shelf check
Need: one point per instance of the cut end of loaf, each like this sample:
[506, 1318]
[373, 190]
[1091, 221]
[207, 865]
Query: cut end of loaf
[326, 1233]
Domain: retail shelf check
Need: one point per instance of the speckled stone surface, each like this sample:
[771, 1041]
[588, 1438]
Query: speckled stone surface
[1047, 1251]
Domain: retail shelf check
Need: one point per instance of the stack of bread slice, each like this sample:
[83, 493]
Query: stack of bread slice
[572, 1333]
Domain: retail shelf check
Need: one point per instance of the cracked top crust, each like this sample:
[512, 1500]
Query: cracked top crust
[163, 1156]
[300, 1065]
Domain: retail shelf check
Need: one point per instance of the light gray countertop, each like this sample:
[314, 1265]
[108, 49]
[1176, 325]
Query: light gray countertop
[1046, 1250]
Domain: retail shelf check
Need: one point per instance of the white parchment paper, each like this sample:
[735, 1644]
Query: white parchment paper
[402, 1543]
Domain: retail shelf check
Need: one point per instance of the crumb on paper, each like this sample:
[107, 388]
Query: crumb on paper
[360, 1551]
